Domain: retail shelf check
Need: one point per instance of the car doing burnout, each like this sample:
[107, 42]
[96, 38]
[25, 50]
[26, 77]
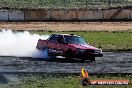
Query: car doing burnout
[69, 46]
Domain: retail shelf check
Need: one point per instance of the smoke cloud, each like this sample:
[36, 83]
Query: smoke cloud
[20, 44]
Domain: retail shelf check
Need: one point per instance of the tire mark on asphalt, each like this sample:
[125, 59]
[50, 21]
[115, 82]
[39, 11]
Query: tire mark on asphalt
[111, 62]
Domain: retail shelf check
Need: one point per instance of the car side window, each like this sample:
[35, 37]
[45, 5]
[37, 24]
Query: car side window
[60, 39]
[53, 38]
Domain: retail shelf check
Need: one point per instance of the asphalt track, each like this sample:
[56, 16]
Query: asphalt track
[111, 62]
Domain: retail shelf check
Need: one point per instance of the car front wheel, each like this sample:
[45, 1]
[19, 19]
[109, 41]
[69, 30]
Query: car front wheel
[69, 54]
[92, 58]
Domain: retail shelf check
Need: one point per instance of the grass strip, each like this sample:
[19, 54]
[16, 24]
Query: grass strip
[63, 81]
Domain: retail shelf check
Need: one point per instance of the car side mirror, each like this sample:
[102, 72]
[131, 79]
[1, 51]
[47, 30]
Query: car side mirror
[64, 42]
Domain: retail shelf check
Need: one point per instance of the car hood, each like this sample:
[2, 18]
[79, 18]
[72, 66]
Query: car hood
[82, 46]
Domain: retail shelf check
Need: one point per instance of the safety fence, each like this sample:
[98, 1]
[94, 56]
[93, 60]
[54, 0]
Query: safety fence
[64, 15]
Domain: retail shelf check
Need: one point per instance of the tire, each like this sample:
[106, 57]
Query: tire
[92, 58]
[50, 54]
[69, 55]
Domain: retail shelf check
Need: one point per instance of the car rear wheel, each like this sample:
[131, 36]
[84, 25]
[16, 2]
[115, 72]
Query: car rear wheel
[52, 56]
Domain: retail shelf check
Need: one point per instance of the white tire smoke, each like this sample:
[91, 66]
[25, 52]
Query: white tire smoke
[20, 44]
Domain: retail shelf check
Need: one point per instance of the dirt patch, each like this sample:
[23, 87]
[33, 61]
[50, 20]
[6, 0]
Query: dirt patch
[68, 26]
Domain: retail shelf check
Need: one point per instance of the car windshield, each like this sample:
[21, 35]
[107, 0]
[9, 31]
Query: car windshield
[75, 39]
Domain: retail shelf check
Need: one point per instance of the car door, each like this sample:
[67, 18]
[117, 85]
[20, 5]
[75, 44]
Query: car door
[60, 45]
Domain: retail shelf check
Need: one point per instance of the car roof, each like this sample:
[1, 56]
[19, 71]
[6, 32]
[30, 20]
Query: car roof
[66, 34]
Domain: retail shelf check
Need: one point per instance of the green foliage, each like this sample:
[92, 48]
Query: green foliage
[67, 4]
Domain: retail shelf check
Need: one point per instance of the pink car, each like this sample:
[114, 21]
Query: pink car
[70, 46]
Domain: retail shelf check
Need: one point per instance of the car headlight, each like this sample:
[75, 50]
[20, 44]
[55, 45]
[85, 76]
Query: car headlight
[98, 51]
